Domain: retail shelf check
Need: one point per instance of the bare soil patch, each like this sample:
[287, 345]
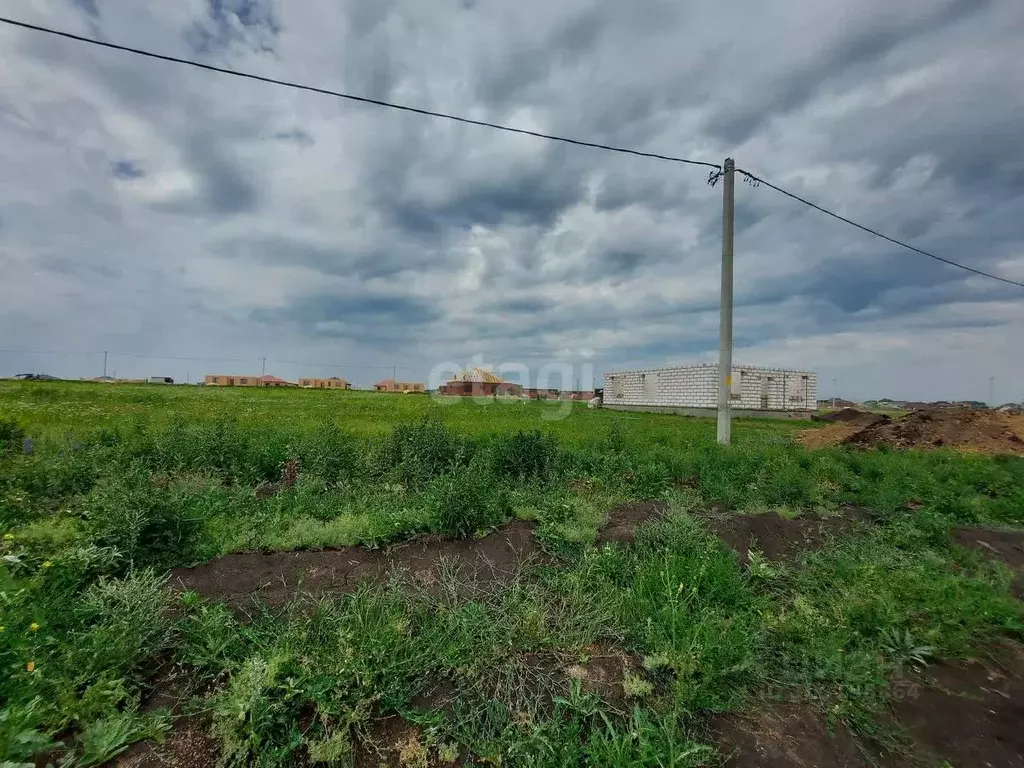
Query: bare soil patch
[969, 713]
[534, 679]
[624, 519]
[1007, 546]
[274, 578]
[780, 538]
[393, 742]
[827, 437]
[960, 428]
[187, 745]
[783, 736]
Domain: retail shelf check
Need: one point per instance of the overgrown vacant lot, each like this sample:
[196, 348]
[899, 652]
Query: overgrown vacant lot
[195, 577]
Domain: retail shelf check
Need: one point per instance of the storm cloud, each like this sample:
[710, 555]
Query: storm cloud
[155, 209]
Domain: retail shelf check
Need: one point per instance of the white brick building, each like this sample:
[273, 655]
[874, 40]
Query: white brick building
[696, 386]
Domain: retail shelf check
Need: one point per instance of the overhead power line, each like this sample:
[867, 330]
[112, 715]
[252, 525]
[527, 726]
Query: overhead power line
[875, 232]
[352, 97]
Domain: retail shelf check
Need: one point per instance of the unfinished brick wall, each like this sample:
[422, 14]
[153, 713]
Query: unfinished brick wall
[696, 386]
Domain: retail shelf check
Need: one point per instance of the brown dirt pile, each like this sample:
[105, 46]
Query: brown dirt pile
[960, 428]
[854, 417]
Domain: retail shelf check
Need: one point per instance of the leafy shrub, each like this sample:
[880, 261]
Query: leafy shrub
[414, 453]
[523, 456]
[463, 502]
[142, 520]
[11, 435]
[331, 454]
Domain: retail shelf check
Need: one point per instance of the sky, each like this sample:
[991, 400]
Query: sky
[152, 209]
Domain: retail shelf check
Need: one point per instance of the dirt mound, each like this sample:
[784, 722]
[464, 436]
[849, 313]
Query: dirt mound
[853, 416]
[780, 538]
[783, 736]
[1007, 546]
[623, 519]
[961, 428]
[274, 578]
[944, 427]
[969, 713]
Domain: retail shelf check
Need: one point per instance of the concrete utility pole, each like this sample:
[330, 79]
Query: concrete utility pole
[991, 391]
[104, 365]
[834, 393]
[264, 367]
[725, 319]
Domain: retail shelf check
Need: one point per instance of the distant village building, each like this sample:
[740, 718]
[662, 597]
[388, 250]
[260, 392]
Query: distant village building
[390, 385]
[218, 380]
[332, 383]
[476, 382]
[274, 381]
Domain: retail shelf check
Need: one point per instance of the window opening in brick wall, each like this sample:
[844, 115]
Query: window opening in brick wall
[618, 390]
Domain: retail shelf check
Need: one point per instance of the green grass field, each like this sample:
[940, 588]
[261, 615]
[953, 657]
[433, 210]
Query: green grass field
[103, 489]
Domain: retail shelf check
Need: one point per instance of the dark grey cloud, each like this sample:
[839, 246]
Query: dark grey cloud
[225, 187]
[354, 311]
[509, 79]
[87, 7]
[250, 23]
[126, 169]
[523, 306]
[849, 60]
[295, 135]
[426, 200]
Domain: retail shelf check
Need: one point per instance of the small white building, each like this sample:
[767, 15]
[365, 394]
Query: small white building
[696, 386]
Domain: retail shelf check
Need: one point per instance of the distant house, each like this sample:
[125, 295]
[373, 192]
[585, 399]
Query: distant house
[217, 380]
[476, 382]
[36, 377]
[332, 383]
[274, 381]
[390, 385]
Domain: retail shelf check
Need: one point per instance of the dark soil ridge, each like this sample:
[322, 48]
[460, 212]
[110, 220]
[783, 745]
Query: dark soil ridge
[274, 578]
[966, 713]
[781, 538]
